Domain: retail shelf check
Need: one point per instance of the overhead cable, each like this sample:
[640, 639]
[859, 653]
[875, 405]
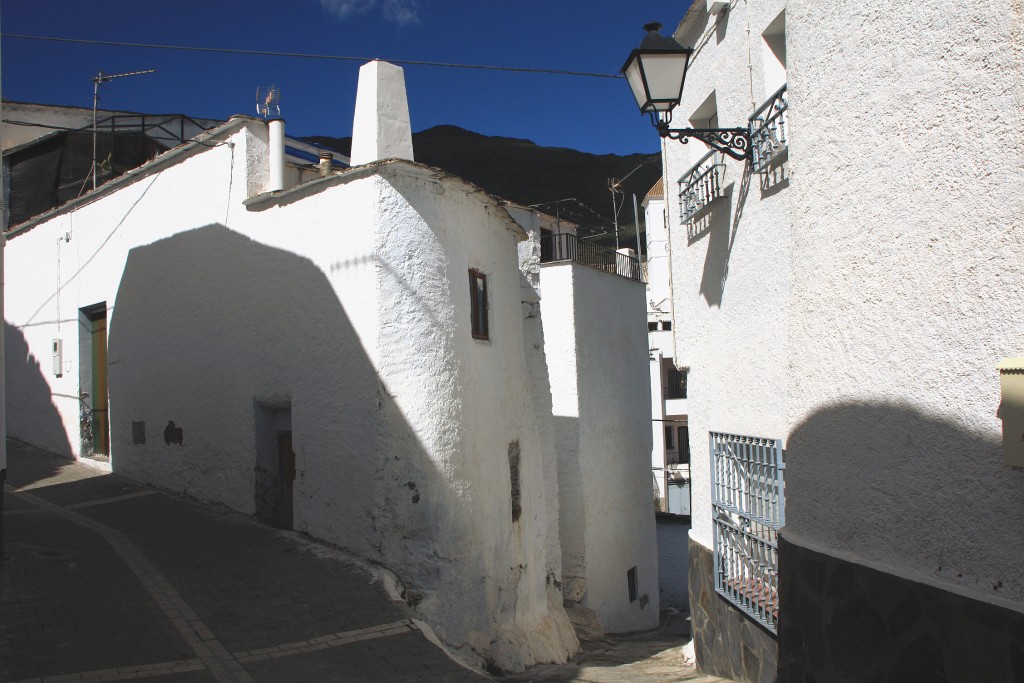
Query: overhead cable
[300, 55]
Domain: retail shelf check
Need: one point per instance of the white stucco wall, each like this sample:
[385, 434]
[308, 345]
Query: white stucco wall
[659, 276]
[346, 303]
[480, 405]
[857, 304]
[597, 362]
[75, 260]
[907, 152]
[730, 267]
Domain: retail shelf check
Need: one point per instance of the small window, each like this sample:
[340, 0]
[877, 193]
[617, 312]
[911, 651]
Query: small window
[652, 327]
[670, 433]
[631, 584]
[478, 304]
[138, 432]
[666, 325]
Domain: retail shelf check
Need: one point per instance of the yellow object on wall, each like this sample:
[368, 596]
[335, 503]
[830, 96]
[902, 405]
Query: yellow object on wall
[1011, 379]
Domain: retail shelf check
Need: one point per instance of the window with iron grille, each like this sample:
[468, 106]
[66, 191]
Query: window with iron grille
[675, 380]
[748, 509]
[684, 445]
[478, 304]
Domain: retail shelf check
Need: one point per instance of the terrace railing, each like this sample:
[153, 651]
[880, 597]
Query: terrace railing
[701, 185]
[768, 135]
[170, 129]
[568, 247]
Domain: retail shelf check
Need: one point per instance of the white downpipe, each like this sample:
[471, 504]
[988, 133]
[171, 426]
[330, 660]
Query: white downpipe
[275, 183]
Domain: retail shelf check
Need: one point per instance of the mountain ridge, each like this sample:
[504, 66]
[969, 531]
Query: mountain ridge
[532, 175]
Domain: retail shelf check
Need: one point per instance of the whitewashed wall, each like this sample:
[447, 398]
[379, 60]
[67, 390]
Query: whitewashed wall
[907, 153]
[347, 302]
[730, 268]
[479, 407]
[596, 347]
[74, 260]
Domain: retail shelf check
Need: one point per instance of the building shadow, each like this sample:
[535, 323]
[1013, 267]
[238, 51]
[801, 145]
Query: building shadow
[233, 340]
[876, 481]
[32, 416]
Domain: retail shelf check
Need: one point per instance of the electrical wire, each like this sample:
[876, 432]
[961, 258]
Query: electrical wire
[300, 55]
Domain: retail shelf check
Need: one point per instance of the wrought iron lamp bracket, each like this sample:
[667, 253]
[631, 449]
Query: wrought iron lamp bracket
[732, 141]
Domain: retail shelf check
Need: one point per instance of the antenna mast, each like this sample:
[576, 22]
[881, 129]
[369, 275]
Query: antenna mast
[97, 80]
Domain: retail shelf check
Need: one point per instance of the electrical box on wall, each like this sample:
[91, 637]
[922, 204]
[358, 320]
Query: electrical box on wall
[58, 357]
[1011, 409]
[716, 6]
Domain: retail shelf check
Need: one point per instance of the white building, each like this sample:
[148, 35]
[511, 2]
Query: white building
[670, 454]
[356, 355]
[845, 298]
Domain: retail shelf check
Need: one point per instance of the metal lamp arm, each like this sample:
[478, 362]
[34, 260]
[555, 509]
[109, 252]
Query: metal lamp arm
[732, 141]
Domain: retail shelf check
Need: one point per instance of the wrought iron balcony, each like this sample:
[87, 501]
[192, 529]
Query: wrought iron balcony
[568, 247]
[768, 135]
[701, 185]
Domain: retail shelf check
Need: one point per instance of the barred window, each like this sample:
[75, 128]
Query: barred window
[675, 379]
[748, 509]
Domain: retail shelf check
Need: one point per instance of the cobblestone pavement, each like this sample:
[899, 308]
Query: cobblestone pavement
[105, 579]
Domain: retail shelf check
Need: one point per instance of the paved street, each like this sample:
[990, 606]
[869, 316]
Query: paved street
[105, 579]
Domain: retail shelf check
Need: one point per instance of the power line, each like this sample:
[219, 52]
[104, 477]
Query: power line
[300, 55]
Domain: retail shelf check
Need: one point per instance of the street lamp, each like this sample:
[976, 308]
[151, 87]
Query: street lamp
[656, 73]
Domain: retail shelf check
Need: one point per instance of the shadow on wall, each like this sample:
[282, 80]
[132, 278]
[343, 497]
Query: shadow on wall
[210, 323]
[572, 520]
[31, 415]
[722, 231]
[716, 225]
[899, 484]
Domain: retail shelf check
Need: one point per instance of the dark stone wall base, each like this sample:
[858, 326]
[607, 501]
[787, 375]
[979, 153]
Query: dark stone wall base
[840, 621]
[727, 642]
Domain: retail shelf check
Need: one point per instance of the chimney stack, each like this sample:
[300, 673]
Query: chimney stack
[326, 158]
[381, 128]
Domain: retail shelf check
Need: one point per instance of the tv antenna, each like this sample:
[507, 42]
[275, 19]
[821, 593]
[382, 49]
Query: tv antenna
[268, 101]
[99, 79]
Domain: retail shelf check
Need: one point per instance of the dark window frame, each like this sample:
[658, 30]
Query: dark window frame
[684, 444]
[478, 303]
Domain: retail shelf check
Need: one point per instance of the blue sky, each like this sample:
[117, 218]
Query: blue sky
[591, 114]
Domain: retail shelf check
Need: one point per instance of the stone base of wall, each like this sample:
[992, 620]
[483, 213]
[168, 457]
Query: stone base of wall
[726, 642]
[840, 621]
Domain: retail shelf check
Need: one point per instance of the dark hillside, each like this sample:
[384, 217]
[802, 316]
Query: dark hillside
[528, 174]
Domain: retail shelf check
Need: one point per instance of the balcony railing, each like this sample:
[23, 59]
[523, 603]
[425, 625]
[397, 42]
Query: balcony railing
[701, 185]
[768, 135]
[568, 247]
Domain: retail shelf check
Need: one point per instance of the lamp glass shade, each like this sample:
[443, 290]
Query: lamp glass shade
[656, 78]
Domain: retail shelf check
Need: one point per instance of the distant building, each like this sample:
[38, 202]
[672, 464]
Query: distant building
[670, 456]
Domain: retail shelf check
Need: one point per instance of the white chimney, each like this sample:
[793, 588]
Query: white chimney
[381, 128]
[275, 183]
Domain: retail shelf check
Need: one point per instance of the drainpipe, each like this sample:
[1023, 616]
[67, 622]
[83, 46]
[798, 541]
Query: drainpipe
[326, 158]
[276, 181]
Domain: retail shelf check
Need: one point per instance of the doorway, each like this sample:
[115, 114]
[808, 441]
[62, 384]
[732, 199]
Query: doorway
[92, 380]
[275, 464]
